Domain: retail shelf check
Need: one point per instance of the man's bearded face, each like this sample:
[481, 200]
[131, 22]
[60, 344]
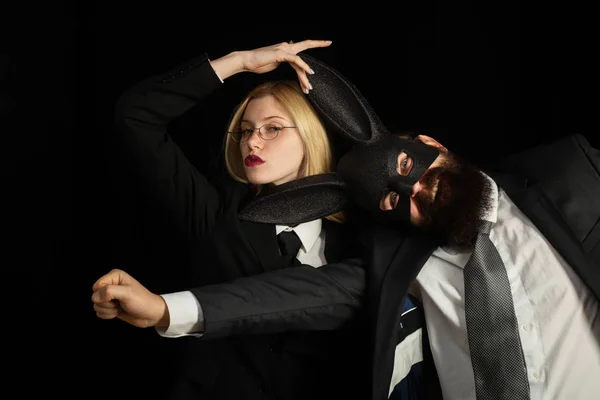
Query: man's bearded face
[401, 181]
[453, 197]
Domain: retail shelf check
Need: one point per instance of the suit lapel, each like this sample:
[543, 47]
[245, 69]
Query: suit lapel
[406, 256]
[263, 241]
[539, 208]
[543, 213]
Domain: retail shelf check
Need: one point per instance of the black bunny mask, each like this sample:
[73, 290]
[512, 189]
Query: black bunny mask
[364, 174]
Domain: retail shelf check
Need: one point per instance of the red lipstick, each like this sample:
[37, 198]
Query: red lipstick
[253, 161]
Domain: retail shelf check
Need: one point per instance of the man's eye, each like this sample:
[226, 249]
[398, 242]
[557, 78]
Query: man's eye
[406, 164]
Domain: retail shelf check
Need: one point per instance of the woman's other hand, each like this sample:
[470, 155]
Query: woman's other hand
[266, 59]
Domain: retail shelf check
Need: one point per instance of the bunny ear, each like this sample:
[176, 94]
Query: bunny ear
[298, 201]
[341, 104]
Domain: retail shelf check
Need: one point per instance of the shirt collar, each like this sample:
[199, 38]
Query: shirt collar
[492, 213]
[308, 232]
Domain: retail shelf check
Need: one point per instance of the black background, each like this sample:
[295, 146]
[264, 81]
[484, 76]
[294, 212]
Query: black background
[484, 79]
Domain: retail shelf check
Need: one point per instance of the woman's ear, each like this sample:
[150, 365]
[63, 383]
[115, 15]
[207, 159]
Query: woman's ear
[430, 142]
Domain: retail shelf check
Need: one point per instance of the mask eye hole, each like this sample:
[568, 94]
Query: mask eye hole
[405, 164]
[389, 201]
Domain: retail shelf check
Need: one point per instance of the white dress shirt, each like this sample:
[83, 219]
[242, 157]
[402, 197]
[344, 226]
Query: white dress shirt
[185, 311]
[557, 314]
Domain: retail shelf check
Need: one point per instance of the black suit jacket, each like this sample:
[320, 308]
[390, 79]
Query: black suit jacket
[560, 196]
[240, 364]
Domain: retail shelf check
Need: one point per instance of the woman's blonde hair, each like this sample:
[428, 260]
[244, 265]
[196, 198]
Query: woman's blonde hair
[318, 157]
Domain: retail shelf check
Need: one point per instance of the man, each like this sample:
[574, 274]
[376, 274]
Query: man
[553, 282]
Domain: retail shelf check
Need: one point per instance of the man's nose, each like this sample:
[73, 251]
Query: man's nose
[416, 188]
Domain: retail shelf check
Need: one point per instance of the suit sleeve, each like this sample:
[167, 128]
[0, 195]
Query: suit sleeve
[290, 299]
[142, 114]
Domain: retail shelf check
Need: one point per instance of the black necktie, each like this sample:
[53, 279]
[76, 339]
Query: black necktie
[289, 244]
[492, 329]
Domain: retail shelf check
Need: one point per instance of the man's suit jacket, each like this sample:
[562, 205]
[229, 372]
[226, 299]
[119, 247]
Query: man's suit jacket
[560, 195]
[557, 185]
[291, 365]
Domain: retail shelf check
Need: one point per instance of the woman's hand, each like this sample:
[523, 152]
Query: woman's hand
[266, 59]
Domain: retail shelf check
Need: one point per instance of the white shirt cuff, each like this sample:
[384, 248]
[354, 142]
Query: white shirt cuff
[218, 76]
[185, 314]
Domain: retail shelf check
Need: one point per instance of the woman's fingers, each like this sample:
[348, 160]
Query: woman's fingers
[268, 58]
[302, 78]
[308, 44]
[299, 65]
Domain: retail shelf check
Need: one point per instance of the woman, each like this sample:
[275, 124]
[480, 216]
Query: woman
[275, 136]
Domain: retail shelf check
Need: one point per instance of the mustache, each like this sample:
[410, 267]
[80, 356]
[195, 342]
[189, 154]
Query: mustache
[423, 199]
[431, 176]
[461, 199]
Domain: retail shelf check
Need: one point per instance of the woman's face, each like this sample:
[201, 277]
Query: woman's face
[274, 161]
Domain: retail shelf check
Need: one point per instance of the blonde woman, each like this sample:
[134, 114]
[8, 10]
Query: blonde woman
[274, 137]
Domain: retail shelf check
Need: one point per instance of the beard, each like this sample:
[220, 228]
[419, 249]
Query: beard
[462, 199]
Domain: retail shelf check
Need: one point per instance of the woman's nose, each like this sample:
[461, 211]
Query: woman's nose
[255, 140]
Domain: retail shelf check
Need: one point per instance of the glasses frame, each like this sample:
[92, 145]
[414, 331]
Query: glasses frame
[259, 134]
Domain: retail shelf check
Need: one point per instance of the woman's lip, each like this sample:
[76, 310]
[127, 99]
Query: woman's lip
[252, 160]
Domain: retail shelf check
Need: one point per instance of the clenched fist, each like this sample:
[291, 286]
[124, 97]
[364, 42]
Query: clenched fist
[118, 295]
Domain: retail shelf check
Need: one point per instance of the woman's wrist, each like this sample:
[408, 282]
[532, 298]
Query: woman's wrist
[228, 65]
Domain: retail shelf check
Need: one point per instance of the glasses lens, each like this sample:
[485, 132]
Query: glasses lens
[269, 132]
[237, 136]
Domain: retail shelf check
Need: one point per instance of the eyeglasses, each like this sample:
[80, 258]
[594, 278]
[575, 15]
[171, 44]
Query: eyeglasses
[266, 132]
